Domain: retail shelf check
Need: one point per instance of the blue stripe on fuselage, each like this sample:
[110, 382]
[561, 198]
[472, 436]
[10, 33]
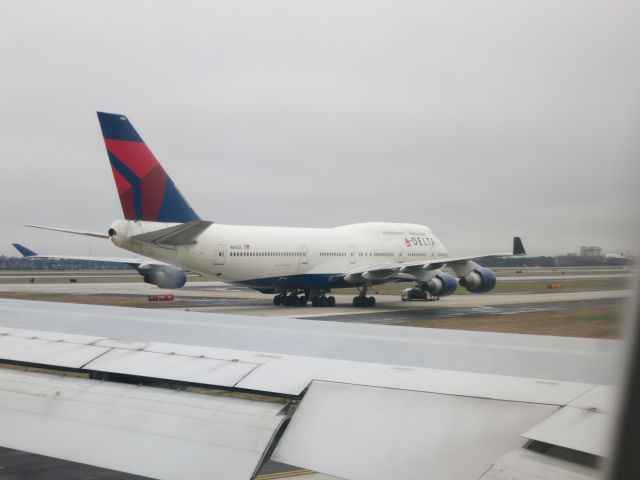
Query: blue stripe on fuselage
[305, 281]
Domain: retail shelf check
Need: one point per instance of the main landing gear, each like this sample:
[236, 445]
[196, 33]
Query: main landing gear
[362, 300]
[300, 299]
[290, 299]
[323, 301]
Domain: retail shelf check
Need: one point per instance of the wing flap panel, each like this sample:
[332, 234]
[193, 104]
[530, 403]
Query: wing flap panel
[583, 430]
[43, 351]
[287, 375]
[401, 434]
[147, 431]
[170, 366]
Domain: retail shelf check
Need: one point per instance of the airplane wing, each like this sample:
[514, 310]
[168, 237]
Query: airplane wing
[389, 270]
[66, 230]
[133, 262]
[371, 401]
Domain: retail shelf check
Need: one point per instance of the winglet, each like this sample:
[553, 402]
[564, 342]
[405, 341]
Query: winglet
[24, 250]
[518, 247]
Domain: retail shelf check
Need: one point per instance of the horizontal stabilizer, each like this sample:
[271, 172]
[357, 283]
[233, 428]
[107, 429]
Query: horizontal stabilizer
[24, 251]
[183, 234]
[66, 230]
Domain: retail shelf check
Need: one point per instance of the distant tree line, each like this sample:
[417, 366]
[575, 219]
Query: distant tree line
[557, 261]
[22, 263]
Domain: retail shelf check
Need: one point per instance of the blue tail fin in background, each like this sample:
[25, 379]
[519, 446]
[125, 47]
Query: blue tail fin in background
[24, 251]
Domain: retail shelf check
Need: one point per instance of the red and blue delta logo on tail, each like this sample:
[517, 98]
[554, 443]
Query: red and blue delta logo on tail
[146, 191]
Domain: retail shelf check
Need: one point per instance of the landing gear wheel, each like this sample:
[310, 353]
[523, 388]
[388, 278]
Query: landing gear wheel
[277, 300]
[315, 301]
[302, 300]
[331, 301]
[372, 301]
[292, 300]
[323, 301]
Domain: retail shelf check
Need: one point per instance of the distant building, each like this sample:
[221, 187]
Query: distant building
[590, 251]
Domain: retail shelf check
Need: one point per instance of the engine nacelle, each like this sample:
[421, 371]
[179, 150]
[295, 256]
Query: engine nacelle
[479, 281]
[442, 284]
[164, 276]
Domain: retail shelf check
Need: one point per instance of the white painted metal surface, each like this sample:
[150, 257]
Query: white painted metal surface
[172, 367]
[280, 374]
[292, 374]
[575, 428]
[358, 432]
[601, 398]
[142, 430]
[51, 335]
[528, 465]
[56, 352]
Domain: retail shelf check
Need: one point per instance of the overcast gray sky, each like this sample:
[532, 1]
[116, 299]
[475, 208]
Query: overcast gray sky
[481, 119]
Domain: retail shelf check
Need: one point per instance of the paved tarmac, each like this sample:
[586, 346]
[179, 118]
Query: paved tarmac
[222, 298]
[246, 303]
[19, 465]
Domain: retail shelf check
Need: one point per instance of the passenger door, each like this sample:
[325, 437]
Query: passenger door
[221, 253]
[352, 254]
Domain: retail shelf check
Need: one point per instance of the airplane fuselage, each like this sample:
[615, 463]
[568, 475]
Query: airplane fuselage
[272, 258]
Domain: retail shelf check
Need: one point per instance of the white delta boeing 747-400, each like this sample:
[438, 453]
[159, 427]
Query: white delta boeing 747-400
[295, 264]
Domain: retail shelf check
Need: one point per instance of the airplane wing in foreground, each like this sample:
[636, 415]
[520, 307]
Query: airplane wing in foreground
[373, 401]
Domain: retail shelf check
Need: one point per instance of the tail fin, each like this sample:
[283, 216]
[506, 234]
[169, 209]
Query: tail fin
[146, 192]
[24, 251]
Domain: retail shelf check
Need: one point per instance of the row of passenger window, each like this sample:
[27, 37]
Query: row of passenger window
[266, 254]
[299, 254]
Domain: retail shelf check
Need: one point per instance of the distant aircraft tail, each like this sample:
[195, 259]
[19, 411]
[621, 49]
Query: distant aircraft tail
[146, 191]
[24, 251]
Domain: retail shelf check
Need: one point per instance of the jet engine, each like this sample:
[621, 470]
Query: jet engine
[442, 284]
[479, 281]
[164, 276]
